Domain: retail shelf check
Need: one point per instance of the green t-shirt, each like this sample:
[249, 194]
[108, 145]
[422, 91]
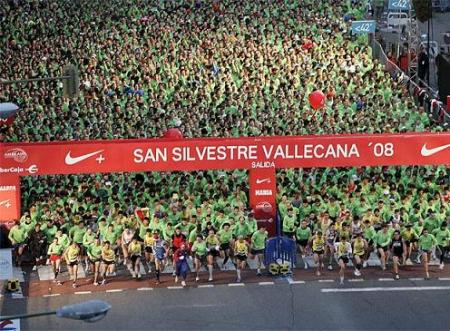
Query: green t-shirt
[76, 234]
[259, 240]
[55, 249]
[49, 232]
[442, 236]
[88, 239]
[427, 242]
[18, 234]
[289, 223]
[303, 233]
[383, 239]
[225, 236]
[111, 237]
[94, 251]
[64, 240]
[199, 248]
[241, 230]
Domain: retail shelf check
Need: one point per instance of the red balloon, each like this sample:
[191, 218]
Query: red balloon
[317, 100]
[173, 133]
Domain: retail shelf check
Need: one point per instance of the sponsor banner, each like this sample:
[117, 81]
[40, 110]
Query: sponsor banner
[9, 198]
[360, 27]
[6, 268]
[399, 5]
[263, 191]
[216, 153]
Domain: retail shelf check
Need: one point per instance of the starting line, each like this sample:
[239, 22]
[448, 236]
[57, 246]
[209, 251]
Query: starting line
[384, 289]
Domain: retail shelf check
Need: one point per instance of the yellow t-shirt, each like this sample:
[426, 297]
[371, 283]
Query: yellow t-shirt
[241, 248]
[149, 240]
[108, 254]
[358, 247]
[134, 249]
[73, 253]
[318, 243]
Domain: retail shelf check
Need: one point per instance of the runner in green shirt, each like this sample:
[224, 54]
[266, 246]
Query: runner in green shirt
[94, 252]
[17, 235]
[289, 223]
[426, 243]
[226, 241]
[258, 244]
[55, 251]
[383, 240]
[302, 235]
[199, 249]
[76, 233]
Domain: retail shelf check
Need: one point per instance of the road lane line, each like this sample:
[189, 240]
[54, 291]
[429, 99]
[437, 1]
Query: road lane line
[84, 292]
[206, 286]
[145, 289]
[51, 295]
[326, 280]
[266, 283]
[416, 279]
[297, 282]
[386, 279]
[236, 284]
[444, 278]
[356, 280]
[385, 289]
[114, 290]
[175, 287]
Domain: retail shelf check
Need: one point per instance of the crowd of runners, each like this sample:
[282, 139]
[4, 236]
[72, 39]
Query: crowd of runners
[143, 239]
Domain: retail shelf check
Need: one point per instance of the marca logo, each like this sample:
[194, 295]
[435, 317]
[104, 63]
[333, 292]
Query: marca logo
[263, 192]
[7, 188]
[32, 169]
[17, 154]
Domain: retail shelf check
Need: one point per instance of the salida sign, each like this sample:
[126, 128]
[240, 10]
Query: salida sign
[261, 155]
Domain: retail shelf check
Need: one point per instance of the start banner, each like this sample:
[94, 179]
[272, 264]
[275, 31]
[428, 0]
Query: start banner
[223, 153]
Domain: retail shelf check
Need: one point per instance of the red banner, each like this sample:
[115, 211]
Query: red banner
[9, 198]
[263, 194]
[244, 153]
[24, 159]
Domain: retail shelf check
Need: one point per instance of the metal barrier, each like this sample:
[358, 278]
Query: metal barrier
[280, 250]
[421, 93]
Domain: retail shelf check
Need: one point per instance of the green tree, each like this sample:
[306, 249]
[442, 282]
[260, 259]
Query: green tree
[423, 9]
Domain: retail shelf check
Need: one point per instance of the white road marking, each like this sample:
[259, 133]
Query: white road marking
[51, 295]
[297, 282]
[444, 278]
[145, 289]
[386, 279]
[114, 290]
[206, 286]
[175, 287]
[326, 280]
[84, 292]
[385, 289]
[355, 280]
[416, 279]
[266, 283]
[236, 284]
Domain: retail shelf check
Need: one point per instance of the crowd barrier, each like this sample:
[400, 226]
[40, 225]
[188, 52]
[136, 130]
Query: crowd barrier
[423, 95]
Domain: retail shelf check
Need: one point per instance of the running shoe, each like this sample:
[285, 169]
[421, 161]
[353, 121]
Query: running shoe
[306, 265]
[365, 264]
[34, 268]
[357, 273]
[258, 273]
[133, 274]
[238, 280]
[104, 282]
[397, 277]
[174, 274]
[176, 279]
[210, 279]
[139, 275]
[409, 262]
[74, 285]
[95, 284]
[197, 279]
[183, 283]
[441, 266]
[330, 267]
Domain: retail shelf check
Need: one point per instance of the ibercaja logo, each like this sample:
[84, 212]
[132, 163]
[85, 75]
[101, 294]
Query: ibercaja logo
[17, 154]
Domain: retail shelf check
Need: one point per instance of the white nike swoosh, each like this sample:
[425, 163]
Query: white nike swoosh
[4, 202]
[260, 181]
[74, 160]
[428, 152]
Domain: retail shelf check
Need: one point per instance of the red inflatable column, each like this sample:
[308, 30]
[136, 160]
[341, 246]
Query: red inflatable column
[9, 198]
[263, 191]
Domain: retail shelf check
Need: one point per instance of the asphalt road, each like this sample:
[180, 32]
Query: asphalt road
[396, 305]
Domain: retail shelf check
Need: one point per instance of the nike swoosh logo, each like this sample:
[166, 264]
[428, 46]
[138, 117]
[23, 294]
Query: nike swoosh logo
[6, 203]
[431, 151]
[265, 180]
[74, 160]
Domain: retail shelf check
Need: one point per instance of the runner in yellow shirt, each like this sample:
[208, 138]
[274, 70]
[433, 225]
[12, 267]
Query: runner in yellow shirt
[318, 248]
[241, 254]
[360, 246]
[135, 251]
[108, 261]
[149, 241]
[72, 255]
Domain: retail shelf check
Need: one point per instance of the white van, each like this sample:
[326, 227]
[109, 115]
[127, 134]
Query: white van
[397, 19]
